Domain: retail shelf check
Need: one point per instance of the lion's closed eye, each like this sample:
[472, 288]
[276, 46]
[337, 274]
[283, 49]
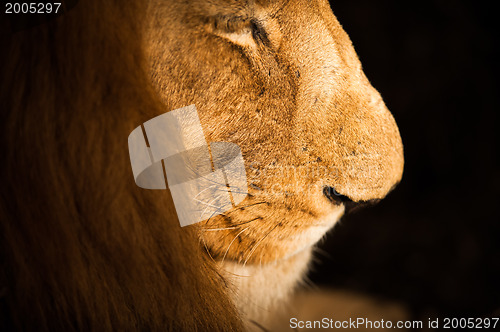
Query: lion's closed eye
[241, 30]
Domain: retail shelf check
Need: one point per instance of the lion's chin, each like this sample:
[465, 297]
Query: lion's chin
[291, 245]
[253, 245]
[311, 235]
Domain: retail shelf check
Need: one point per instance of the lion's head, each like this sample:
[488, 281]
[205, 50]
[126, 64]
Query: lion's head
[282, 80]
[82, 247]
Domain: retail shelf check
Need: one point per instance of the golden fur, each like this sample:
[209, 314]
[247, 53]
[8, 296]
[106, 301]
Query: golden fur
[83, 248]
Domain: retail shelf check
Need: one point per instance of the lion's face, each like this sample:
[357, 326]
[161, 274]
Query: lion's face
[281, 79]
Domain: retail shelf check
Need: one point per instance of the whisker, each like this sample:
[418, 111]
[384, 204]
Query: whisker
[232, 226]
[263, 202]
[214, 214]
[246, 222]
[246, 206]
[255, 187]
[217, 229]
[204, 176]
[207, 204]
[228, 213]
[230, 244]
[237, 192]
[258, 243]
[218, 212]
[217, 208]
[206, 248]
[223, 186]
[203, 191]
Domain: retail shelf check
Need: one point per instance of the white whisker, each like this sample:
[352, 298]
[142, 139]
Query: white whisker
[230, 244]
[258, 243]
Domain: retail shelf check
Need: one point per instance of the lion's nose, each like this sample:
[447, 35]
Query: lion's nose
[335, 197]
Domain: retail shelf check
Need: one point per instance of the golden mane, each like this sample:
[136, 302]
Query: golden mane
[80, 249]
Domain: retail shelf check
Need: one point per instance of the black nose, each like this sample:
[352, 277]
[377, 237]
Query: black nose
[334, 196]
[337, 199]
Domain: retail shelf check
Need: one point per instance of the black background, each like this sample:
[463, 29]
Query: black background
[433, 243]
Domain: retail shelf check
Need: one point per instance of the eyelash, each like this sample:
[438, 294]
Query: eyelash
[259, 34]
[233, 24]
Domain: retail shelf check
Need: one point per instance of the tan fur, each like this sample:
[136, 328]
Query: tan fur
[83, 248]
[261, 290]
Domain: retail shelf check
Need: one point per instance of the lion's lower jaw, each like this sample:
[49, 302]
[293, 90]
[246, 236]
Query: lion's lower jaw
[261, 291]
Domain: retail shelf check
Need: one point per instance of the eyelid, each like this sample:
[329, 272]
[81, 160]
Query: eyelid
[259, 33]
[232, 24]
[240, 29]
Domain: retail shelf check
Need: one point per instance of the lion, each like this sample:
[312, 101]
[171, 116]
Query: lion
[84, 248]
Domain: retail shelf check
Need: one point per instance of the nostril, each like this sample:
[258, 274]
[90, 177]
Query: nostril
[334, 196]
[350, 205]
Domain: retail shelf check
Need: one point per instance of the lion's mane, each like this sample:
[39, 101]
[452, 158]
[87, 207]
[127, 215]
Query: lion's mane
[80, 249]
